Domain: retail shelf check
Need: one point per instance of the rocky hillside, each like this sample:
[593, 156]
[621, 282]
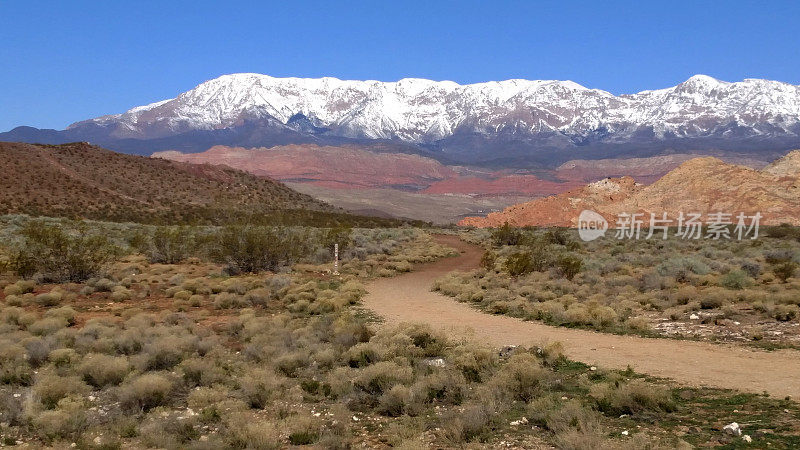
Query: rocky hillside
[324, 166]
[508, 123]
[703, 185]
[80, 180]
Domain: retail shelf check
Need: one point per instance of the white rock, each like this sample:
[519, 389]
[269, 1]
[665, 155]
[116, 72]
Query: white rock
[733, 429]
[435, 362]
[625, 433]
[593, 368]
[694, 317]
[747, 438]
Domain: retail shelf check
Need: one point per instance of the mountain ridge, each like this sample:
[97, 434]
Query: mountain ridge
[506, 123]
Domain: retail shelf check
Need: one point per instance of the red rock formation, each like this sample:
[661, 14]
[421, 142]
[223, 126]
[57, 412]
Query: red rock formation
[702, 185]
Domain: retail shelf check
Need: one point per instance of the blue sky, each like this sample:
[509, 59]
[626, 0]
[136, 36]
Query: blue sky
[67, 61]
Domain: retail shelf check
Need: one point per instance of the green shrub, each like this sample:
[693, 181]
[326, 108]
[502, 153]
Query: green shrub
[57, 255]
[785, 270]
[519, 263]
[506, 235]
[169, 245]
[488, 260]
[251, 249]
[569, 266]
[736, 279]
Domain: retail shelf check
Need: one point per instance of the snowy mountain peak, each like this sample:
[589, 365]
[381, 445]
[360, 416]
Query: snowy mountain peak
[423, 111]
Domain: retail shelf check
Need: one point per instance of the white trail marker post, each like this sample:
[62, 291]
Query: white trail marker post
[336, 259]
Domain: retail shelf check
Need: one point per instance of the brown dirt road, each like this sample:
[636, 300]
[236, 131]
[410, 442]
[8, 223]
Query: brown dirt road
[408, 298]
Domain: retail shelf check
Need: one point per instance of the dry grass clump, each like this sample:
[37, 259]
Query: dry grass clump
[146, 391]
[634, 397]
[101, 370]
[49, 389]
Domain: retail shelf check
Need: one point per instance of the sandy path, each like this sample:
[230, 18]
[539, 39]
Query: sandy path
[407, 298]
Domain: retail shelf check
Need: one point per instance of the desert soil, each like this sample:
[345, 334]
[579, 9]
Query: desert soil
[408, 298]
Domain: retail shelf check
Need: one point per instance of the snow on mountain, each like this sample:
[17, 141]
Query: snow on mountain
[422, 111]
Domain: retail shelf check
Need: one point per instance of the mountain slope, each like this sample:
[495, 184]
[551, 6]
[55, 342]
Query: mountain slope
[701, 185]
[325, 166]
[80, 180]
[503, 123]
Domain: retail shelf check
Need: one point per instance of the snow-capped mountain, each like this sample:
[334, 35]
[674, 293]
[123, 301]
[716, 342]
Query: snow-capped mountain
[510, 123]
[425, 111]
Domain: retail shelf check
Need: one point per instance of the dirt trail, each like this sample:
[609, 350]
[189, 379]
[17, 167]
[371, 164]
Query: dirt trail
[408, 298]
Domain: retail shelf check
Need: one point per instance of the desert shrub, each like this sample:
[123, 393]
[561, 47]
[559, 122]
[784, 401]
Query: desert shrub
[779, 256]
[64, 312]
[396, 401]
[785, 313]
[54, 254]
[681, 267]
[443, 387]
[783, 231]
[303, 430]
[67, 420]
[523, 377]
[49, 299]
[47, 326]
[259, 386]
[382, 376]
[569, 266]
[518, 263]
[561, 418]
[244, 430]
[488, 260]
[36, 350]
[161, 429]
[506, 235]
[63, 357]
[634, 397]
[50, 388]
[785, 270]
[736, 279]
[473, 423]
[20, 287]
[364, 354]
[250, 249]
[169, 245]
[145, 391]
[165, 352]
[258, 296]
[751, 268]
[101, 370]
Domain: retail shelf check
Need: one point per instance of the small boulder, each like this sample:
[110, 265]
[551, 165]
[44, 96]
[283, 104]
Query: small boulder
[732, 429]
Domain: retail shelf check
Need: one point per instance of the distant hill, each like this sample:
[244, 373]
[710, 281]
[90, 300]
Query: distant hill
[700, 185]
[83, 181]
